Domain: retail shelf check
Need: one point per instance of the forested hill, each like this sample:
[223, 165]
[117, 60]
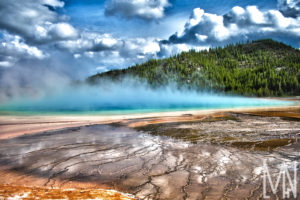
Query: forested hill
[259, 68]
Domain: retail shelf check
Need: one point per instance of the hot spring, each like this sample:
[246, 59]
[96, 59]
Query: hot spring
[127, 98]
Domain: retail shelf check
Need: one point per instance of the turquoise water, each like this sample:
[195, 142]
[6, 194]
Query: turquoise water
[126, 98]
[205, 102]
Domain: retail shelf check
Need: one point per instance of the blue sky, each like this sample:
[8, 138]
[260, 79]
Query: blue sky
[77, 38]
[91, 14]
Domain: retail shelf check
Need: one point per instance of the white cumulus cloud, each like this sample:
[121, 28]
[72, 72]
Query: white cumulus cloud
[145, 9]
[91, 41]
[13, 48]
[106, 49]
[238, 24]
[34, 20]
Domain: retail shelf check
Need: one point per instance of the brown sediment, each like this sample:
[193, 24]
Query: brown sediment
[241, 130]
[184, 118]
[209, 158]
[13, 126]
[18, 178]
[190, 155]
[15, 130]
[264, 145]
[289, 114]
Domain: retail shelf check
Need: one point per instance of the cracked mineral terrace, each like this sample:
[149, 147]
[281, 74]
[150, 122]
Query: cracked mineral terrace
[210, 157]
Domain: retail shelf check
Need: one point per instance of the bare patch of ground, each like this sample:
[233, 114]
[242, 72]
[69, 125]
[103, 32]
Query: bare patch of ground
[217, 155]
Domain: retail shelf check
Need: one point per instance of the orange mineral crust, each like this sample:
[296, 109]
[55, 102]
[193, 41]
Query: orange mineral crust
[21, 192]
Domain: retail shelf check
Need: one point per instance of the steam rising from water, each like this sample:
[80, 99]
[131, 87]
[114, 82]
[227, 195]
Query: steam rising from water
[127, 96]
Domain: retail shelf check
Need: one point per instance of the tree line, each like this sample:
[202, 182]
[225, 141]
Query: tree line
[257, 68]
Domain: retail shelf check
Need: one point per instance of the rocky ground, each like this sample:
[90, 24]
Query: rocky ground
[213, 157]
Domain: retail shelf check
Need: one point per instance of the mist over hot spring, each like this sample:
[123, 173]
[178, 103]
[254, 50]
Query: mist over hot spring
[128, 95]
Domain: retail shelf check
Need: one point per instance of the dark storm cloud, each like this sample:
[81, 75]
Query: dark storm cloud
[289, 8]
